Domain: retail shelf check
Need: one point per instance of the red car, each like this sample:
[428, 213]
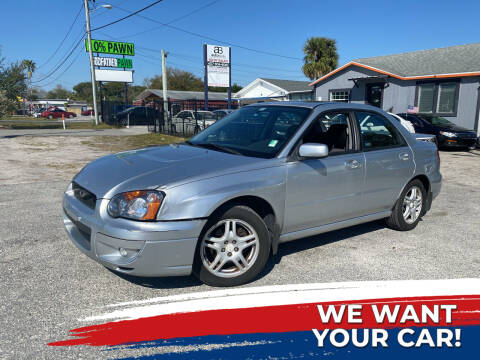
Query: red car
[89, 112]
[58, 113]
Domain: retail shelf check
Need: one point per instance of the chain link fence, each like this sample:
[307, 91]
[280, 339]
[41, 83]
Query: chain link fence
[183, 117]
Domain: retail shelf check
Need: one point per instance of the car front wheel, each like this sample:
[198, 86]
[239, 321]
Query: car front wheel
[233, 248]
[409, 207]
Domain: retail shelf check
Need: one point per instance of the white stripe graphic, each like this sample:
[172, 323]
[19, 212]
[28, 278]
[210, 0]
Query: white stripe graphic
[285, 295]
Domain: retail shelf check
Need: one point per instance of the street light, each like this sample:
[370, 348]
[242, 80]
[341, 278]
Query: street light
[90, 53]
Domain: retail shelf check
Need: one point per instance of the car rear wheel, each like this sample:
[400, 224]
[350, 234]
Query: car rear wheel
[233, 248]
[50, 116]
[409, 207]
[70, 116]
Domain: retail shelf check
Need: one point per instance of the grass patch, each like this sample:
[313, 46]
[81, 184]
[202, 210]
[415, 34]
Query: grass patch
[45, 125]
[114, 144]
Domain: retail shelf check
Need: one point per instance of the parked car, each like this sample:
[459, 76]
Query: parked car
[38, 113]
[137, 115]
[89, 112]
[221, 113]
[192, 122]
[220, 204]
[58, 113]
[448, 134]
[405, 123]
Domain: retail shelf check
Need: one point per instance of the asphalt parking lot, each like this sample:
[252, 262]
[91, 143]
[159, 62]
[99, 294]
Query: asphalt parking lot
[46, 284]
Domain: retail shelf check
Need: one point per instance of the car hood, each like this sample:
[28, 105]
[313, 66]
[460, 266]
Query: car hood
[454, 128]
[160, 167]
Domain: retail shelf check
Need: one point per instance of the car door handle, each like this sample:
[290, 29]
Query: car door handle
[404, 156]
[353, 164]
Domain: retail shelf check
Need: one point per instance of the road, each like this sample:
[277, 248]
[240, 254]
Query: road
[133, 130]
[47, 285]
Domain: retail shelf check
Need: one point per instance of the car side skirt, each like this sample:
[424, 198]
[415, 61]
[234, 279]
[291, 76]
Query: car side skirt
[332, 226]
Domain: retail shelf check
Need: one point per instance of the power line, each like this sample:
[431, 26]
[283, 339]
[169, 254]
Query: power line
[128, 16]
[172, 21]
[65, 37]
[211, 38]
[61, 63]
[64, 71]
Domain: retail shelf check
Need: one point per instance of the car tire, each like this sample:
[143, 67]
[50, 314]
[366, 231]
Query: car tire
[227, 260]
[409, 208]
[70, 116]
[50, 116]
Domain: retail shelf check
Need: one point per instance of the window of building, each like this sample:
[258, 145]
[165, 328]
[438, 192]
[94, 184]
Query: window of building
[438, 98]
[446, 98]
[341, 95]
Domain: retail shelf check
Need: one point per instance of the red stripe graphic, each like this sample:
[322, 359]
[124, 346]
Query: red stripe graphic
[269, 319]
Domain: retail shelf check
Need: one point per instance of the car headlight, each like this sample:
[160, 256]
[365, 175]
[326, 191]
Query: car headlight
[137, 205]
[448, 134]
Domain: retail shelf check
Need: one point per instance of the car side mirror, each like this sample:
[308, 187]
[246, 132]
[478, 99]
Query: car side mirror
[311, 150]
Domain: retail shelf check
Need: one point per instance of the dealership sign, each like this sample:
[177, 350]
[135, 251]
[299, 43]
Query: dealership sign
[113, 62]
[218, 65]
[114, 75]
[111, 47]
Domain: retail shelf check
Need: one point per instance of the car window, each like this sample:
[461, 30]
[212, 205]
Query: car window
[332, 129]
[437, 120]
[259, 131]
[377, 132]
[206, 116]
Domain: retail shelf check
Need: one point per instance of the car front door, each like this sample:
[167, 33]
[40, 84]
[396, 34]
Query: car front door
[389, 161]
[326, 190]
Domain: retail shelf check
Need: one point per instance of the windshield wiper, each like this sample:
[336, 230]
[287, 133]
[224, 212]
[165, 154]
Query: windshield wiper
[215, 147]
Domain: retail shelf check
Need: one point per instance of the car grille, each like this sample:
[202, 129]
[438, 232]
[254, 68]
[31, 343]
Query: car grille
[84, 231]
[467, 135]
[84, 195]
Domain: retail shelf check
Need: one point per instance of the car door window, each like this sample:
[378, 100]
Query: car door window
[377, 132]
[332, 129]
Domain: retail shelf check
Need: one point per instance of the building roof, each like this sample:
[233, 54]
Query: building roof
[453, 61]
[182, 95]
[290, 85]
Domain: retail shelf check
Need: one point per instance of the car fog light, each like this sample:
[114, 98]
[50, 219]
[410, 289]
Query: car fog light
[123, 252]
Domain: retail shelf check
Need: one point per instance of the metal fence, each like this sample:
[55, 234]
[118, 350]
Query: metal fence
[184, 117]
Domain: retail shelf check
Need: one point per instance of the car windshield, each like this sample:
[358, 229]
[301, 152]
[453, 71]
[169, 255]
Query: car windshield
[436, 120]
[258, 131]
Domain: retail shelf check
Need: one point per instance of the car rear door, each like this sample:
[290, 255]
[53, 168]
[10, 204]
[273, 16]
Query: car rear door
[388, 158]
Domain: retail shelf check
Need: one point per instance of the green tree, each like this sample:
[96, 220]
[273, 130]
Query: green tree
[29, 66]
[59, 92]
[183, 80]
[321, 57]
[83, 91]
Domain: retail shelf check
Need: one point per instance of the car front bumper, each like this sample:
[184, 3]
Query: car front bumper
[458, 142]
[131, 247]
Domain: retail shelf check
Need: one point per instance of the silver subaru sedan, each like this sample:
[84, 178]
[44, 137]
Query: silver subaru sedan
[219, 204]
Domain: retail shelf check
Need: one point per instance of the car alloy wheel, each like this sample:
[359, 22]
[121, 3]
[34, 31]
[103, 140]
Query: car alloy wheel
[229, 248]
[412, 205]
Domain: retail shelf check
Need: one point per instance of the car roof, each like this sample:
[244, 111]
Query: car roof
[329, 105]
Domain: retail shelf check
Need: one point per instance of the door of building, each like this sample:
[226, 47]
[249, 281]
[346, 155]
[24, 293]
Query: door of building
[374, 94]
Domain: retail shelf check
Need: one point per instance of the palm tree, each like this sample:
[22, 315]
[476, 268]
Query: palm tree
[321, 57]
[30, 66]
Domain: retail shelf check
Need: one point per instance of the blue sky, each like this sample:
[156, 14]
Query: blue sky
[34, 29]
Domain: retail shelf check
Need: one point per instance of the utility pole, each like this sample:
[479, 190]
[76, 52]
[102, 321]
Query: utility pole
[164, 87]
[92, 67]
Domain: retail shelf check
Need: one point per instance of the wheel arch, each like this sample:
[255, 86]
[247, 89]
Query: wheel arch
[262, 207]
[425, 181]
